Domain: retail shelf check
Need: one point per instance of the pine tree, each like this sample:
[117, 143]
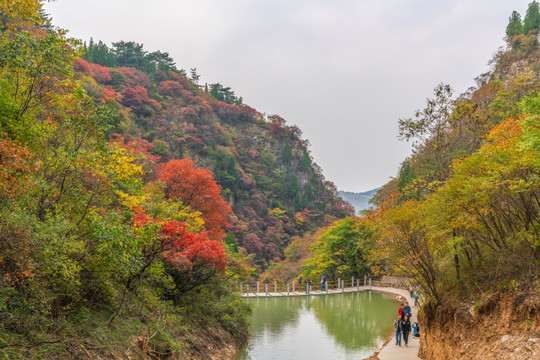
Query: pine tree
[532, 18]
[515, 27]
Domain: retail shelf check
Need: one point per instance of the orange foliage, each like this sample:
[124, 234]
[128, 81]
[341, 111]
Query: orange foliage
[183, 249]
[15, 168]
[197, 188]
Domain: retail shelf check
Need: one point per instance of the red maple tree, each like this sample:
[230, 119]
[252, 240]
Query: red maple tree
[197, 188]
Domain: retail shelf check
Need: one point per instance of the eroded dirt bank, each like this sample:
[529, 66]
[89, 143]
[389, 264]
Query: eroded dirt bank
[504, 325]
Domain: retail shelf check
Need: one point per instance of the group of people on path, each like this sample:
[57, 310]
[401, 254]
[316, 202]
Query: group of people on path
[403, 325]
[308, 283]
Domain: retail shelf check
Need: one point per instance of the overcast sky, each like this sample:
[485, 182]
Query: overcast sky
[344, 71]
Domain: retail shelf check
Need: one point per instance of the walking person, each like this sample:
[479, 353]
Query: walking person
[406, 329]
[323, 282]
[399, 330]
[400, 310]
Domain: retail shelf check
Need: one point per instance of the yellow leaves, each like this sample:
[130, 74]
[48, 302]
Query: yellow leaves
[131, 202]
[277, 212]
[123, 166]
[14, 12]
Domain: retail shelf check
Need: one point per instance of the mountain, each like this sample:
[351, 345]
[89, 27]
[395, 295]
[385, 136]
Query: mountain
[263, 165]
[360, 201]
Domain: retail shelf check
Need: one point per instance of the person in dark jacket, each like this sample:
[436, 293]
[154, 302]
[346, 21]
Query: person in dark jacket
[406, 329]
[323, 282]
[406, 310]
[397, 326]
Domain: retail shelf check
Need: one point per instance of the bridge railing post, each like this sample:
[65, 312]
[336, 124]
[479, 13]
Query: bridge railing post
[342, 286]
[352, 282]
[241, 287]
[357, 284]
[266, 289]
[275, 286]
[258, 290]
[326, 285]
[288, 289]
[293, 285]
[338, 283]
[369, 283]
[365, 280]
[247, 289]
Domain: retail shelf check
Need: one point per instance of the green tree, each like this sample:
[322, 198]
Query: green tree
[341, 250]
[430, 128]
[230, 242]
[532, 18]
[305, 163]
[406, 175]
[515, 27]
[129, 53]
[286, 152]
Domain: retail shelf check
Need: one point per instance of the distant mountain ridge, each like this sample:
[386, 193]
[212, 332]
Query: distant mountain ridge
[360, 201]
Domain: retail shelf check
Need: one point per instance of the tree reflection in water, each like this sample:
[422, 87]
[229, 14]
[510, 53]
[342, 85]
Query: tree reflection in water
[356, 320]
[334, 326]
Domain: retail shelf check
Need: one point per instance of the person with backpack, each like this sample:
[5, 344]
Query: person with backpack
[299, 281]
[323, 282]
[399, 330]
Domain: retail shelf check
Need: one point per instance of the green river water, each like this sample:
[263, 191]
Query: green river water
[341, 326]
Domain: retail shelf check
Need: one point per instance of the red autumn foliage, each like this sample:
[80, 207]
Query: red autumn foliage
[197, 188]
[276, 129]
[134, 96]
[135, 77]
[15, 168]
[170, 88]
[83, 66]
[185, 250]
[234, 113]
[182, 80]
[100, 73]
[188, 113]
[110, 93]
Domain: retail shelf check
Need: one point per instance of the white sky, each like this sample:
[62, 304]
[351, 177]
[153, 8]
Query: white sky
[344, 71]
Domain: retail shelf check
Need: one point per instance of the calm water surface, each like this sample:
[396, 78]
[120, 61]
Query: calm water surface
[344, 326]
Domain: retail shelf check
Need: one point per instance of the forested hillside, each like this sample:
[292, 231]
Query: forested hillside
[263, 166]
[130, 197]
